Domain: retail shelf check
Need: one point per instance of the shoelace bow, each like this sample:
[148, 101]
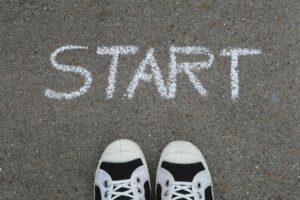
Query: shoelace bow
[183, 190]
[122, 189]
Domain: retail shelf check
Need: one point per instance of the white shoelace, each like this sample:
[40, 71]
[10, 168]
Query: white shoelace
[183, 186]
[125, 185]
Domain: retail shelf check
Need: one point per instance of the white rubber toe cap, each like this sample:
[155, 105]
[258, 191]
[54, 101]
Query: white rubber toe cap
[122, 151]
[181, 152]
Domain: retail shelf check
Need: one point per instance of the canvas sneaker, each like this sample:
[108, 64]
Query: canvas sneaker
[122, 173]
[183, 174]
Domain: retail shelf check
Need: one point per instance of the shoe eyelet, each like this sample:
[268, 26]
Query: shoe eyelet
[105, 184]
[139, 190]
[200, 195]
[138, 179]
[106, 194]
[199, 185]
[167, 183]
[166, 193]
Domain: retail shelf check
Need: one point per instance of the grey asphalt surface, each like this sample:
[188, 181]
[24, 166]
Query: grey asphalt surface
[49, 149]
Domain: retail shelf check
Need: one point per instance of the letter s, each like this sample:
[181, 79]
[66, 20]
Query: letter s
[69, 68]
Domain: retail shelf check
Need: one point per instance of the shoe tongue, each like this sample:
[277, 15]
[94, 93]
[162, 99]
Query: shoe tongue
[123, 197]
[127, 168]
[182, 192]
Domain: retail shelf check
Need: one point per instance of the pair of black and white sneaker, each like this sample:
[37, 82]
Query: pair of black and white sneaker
[182, 173]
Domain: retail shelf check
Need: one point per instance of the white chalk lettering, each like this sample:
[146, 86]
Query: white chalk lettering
[166, 87]
[143, 76]
[188, 68]
[234, 53]
[114, 51]
[69, 68]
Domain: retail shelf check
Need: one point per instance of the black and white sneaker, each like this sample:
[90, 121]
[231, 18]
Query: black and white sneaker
[183, 174]
[122, 173]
